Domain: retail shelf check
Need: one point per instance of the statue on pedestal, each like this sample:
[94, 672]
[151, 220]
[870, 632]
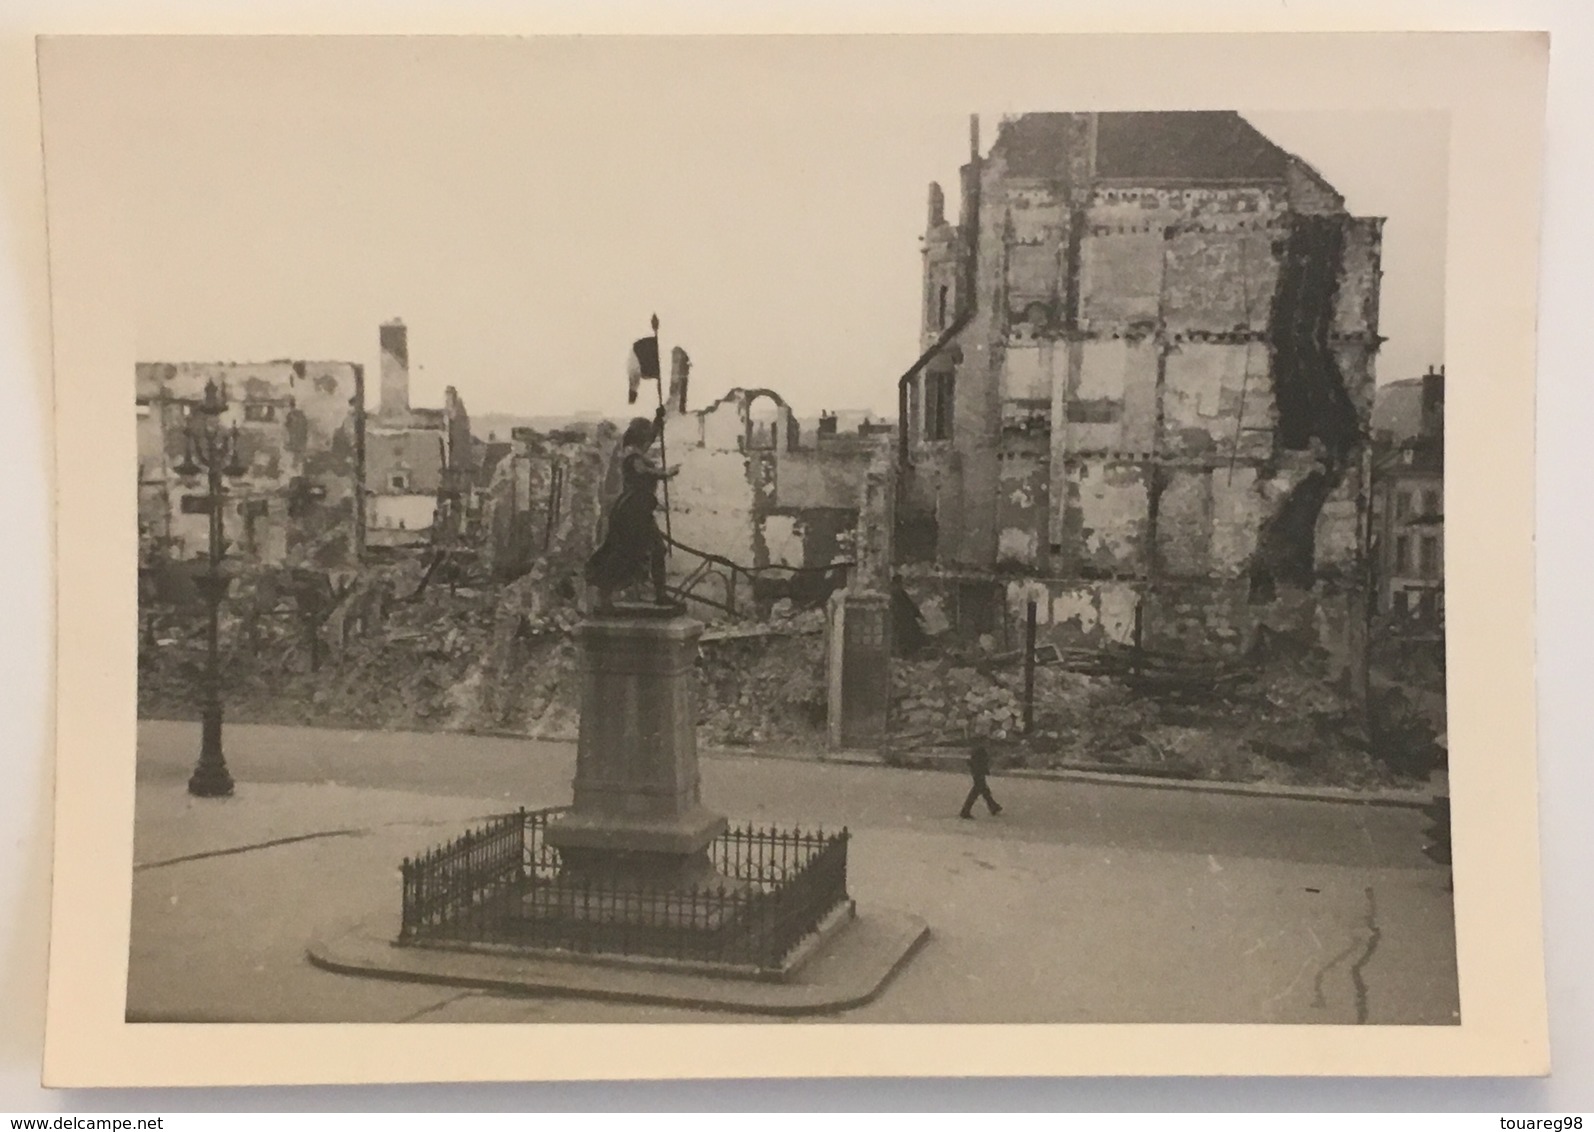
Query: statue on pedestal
[633, 546]
[637, 874]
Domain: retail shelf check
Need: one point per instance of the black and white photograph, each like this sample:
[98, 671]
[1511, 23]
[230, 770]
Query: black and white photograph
[618, 543]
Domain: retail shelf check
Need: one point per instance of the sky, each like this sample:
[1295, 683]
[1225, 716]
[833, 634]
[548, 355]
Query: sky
[525, 206]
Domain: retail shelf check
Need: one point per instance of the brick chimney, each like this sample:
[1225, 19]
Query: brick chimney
[395, 340]
[1433, 402]
[680, 372]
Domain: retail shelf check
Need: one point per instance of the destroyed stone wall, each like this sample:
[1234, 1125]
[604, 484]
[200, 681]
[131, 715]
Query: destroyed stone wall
[1198, 616]
[873, 555]
[1023, 505]
[763, 499]
[296, 428]
[760, 507]
[1165, 384]
[712, 503]
[546, 500]
[404, 461]
[827, 477]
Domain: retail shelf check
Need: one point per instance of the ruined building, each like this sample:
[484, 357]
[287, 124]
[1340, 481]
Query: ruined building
[1409, 511]
[753, 491]
[299, 428]
[1148, 348]
[325, 479]
[418, 461]
[541, 500]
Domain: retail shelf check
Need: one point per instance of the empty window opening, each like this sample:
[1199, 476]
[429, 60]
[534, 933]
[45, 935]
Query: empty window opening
[764, 419]
[938, 393]
[556, 491]
[1428, 561]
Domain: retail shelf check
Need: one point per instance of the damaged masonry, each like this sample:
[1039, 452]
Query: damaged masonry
[442, 580]
[1147, 370]
[1147, 374]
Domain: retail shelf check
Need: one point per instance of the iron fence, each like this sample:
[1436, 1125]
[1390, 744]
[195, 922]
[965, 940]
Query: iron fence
[504, 884]
[462, 881]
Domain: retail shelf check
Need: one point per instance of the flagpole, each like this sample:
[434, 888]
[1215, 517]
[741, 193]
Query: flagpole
[663, 454]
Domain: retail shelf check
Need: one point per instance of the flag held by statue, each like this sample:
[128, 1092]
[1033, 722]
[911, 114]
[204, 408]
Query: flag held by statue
[643, 364]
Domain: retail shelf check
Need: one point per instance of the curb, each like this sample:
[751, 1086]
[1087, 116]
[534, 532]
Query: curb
[1407, 799]
[952, 764]
[857, 966]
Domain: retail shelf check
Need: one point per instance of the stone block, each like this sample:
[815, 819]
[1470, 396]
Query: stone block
[638, 811]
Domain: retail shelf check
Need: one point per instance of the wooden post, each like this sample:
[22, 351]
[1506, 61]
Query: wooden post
[358, 402]
[1134, 656]
[1029, 667]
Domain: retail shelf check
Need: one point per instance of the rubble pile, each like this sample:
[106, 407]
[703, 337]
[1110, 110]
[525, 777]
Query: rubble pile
[1286, 722]
[386, 649]
[393, 653]
[397, 656]
[944, 701]
[390, 653]
[764, 682]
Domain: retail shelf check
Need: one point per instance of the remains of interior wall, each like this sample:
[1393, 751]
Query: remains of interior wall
[1219, 279]
[711, 506]
[1120, 273]
[1112, 501]
[1185, 523]
[1216, 401]
[819, 478]
[1022, 505]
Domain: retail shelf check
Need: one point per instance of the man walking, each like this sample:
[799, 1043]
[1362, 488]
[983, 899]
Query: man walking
[979, 767]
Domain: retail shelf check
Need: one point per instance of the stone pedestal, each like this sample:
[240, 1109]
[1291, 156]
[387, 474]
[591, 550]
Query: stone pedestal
[636, 909]
[638, 817]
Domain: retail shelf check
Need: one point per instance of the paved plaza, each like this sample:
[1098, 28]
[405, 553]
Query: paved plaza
[1082, 902]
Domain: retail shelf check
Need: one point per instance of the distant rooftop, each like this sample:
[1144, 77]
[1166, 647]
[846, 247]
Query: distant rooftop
[1178, 145]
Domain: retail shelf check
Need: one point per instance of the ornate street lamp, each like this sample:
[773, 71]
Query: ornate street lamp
[213, 449]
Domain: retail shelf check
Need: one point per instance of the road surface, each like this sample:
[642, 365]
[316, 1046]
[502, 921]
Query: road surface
[1082, 902]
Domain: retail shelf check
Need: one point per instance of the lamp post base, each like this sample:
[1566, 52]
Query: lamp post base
[211, 778]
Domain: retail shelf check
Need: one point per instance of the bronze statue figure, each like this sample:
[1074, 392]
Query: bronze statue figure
[633, 546]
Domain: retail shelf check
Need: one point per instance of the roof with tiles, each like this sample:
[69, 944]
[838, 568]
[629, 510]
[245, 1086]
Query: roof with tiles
[1188, 145]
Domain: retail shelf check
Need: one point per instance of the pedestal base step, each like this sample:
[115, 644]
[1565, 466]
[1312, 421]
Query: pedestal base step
[686, 911]
[847, 968]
